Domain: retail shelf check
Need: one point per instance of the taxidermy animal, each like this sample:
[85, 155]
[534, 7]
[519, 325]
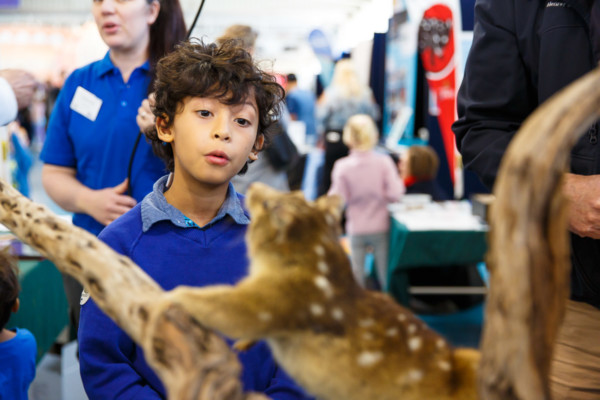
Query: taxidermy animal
[334, 338]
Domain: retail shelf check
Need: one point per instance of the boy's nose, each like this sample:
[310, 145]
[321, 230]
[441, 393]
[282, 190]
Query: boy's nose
[221, 127]
[221, 134]
[108, 6]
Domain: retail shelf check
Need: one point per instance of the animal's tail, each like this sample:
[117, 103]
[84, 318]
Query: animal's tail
[529, 246]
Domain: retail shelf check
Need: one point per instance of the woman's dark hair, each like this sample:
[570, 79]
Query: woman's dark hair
[225, 72]
[166, 32]
[9, 286]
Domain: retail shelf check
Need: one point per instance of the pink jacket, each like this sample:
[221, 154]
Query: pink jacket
[367, 181]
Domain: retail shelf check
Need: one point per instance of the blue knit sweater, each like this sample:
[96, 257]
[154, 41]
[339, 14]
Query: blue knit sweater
[157, 237]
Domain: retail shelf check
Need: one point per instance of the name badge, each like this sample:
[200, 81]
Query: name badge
[86, 103]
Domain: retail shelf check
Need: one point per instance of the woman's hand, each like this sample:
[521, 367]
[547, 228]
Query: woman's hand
[145, 118]
[106, 205]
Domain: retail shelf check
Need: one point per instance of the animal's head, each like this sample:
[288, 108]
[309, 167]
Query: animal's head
[288, 221]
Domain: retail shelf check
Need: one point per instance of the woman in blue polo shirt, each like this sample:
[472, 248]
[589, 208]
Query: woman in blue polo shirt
[92, 130]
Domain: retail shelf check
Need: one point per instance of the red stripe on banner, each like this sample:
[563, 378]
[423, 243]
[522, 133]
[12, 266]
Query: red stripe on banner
[436, 47]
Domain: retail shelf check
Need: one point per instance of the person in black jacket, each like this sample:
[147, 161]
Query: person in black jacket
[523, 52]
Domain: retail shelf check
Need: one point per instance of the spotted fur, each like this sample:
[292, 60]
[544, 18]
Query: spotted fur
[334, 338]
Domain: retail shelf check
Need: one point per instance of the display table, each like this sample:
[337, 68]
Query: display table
[43, 309]
[433, 236]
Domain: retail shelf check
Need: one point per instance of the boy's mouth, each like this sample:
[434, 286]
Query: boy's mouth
[217, 158]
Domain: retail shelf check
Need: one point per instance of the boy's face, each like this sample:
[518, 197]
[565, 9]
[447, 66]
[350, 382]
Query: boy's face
[212, 141]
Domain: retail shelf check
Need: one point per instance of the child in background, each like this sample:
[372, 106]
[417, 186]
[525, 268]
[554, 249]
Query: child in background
[17, 347]
[418, 168]
[367, 181]
[214, 109]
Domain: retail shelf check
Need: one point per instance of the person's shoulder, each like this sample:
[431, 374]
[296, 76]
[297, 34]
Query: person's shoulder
[83, 75]
[384, 157]
[125, 228]
[344, 163]
[26, 338]
[345, 160]
[81, 72]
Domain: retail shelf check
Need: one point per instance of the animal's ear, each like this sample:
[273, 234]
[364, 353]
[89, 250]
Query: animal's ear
[331, 206]
[281, 218]
[257, 194]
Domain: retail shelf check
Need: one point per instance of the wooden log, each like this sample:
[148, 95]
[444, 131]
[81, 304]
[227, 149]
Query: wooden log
[192, 362]
[529, 255]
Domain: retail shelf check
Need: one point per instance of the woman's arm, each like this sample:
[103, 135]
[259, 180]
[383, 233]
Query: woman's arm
[104, 205]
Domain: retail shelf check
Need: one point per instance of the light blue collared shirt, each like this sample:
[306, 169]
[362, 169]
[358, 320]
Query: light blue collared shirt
[155, 208]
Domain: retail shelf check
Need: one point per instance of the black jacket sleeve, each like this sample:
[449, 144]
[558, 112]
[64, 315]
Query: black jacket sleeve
[496, 94]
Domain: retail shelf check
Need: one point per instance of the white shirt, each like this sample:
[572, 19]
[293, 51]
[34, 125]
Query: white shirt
[8, 103]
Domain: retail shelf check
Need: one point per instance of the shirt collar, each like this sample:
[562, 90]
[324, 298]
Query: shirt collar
[155, 208]
[106, 65]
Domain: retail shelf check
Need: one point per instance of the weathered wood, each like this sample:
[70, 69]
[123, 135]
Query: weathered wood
[192, 362]
[529, 255]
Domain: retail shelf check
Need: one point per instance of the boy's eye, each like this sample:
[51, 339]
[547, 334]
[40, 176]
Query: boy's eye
[242, 122]
[204, 113]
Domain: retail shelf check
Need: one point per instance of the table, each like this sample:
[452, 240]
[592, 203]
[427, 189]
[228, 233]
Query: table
[44, 306]
[442, 234]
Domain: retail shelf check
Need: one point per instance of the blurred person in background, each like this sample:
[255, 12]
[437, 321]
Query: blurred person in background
[367, 181]
[343, 98]
[301, 104]
[419, 168]
[16, 93]
[91, 137]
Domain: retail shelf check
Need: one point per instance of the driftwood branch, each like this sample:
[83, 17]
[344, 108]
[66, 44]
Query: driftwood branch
[192, 362]
[529, 255]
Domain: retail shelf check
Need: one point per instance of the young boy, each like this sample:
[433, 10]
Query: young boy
[17, 348]
[214, 108]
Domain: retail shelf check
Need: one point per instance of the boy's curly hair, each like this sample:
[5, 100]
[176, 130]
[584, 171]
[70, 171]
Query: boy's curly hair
[9, 285]
[223, 71]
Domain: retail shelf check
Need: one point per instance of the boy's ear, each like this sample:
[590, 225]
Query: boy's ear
[258, 145]
[163, 132]
[15, 306]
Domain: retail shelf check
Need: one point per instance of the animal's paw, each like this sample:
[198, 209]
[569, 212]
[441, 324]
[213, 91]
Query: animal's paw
[244, 344]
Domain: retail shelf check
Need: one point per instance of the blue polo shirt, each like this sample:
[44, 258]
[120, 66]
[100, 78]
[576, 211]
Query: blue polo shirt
[99, 146]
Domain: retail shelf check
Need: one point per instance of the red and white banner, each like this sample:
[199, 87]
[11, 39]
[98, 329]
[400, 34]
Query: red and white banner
[437, 49]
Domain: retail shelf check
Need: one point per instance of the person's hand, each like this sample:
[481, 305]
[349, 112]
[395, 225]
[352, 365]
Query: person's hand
[583, 193]
[106, 205]
[145, 119]
[22, 83]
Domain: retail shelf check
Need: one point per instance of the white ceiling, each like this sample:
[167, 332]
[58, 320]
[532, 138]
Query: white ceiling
[284, 19]
[283, 25]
